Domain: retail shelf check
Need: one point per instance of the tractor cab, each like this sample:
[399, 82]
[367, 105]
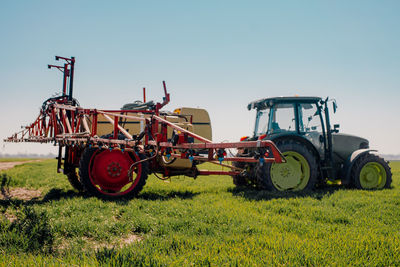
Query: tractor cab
[288, 114]
[297, 116]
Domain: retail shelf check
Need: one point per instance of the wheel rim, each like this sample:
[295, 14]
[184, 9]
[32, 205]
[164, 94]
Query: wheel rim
[109, 172]
[292, 175]
[373, 176]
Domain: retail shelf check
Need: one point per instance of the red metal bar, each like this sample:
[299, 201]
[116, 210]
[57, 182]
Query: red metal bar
[40, 127]
[116, 130]
[264, 143]
[71, 77]
[206, 172]
[64, 58]
[36, 127]
[67, 107]
[277, 154]
[122, 115]
[54, 122]
[78, 124]
[66, 74]
[210, 154]
[94, 124]
[73, 120]
[251, 144]
[63, 120]
[166, 99]
[237, 159]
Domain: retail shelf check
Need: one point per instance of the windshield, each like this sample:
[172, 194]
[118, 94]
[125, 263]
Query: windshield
[261, 122]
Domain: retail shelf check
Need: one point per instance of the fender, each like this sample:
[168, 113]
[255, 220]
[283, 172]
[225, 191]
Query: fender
[278, 137]
[348, 165]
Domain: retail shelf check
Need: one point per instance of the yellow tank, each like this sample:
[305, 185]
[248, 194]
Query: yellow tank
[195, 120]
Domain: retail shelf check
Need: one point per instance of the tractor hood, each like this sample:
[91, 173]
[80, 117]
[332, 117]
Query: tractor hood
[345, 144]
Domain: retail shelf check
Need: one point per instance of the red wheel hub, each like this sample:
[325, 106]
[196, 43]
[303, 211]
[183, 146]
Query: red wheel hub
[110, 170]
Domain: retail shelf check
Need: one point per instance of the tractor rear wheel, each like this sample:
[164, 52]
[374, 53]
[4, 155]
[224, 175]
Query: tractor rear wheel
[299, 173]
[75, 181]
[105, 173]
[371, 172]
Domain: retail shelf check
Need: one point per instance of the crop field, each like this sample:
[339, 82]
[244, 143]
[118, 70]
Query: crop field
[185, 222]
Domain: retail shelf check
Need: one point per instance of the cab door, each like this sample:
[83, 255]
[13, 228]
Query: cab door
[311, 125]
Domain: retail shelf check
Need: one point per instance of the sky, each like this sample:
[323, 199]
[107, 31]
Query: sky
[218, 55]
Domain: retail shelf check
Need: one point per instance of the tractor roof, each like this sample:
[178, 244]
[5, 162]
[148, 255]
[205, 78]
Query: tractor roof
[267, 102]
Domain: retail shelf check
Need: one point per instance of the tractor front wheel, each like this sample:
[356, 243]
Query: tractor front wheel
[106, 174]
[299, 173]
[371, 172]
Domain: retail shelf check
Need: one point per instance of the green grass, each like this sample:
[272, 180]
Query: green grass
[198, 222]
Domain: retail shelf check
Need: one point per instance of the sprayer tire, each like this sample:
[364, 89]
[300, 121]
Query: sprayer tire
[97, 181]
[75, 182]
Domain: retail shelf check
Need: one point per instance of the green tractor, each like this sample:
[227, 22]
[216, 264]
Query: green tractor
[314, 151]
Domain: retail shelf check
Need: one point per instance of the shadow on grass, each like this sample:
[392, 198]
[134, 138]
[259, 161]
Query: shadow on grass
[153, 196]
[58, 194]
[5, 181]
[166, 195]
[53, 194]
[253, 194]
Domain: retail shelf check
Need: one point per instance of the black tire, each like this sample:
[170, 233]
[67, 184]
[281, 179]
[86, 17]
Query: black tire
[239, 180]
[379, 169]
[308, 161]
[85, 169]
[75, 181]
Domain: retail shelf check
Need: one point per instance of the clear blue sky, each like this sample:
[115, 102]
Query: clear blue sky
[219, 55]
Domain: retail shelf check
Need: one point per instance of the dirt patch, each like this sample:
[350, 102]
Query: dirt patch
[20, 193]
[10, 217]
[130, 239]
[96, 245]
[9, 165]
[12, 164]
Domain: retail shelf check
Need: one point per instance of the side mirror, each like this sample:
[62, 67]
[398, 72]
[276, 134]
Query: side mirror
[334, 106]
[336, 128]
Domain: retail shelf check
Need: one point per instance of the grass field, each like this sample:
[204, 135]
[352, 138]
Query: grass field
[196, 222]
[15, 159]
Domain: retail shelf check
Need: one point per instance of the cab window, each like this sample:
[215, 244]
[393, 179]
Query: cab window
[282, 118]
[309, 118]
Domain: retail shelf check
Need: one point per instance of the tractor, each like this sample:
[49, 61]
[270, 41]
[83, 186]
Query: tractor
[314, 151]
